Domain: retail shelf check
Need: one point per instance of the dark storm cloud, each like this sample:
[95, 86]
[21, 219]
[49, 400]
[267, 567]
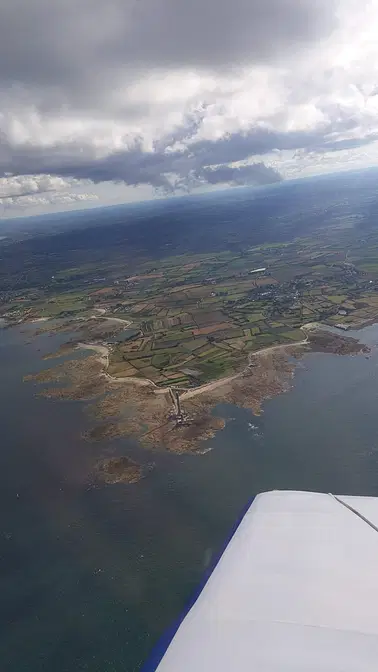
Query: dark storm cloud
[195, 163]
[133, 167]
[253, 175]
[259, 141]
[221, 33]
[64, 50]
[64, 55]
[240, 146]
[80, 162]
[342, 145]
[199, 162]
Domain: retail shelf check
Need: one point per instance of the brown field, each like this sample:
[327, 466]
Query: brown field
[141, 363]
[172, 322]
[153, 374]
[132, 346]
[209, 330]
[104, 290]
[176, 290]
[150, 276]
[189, 267]
[199, 292]
[139, 307]
[260, 282]
[173, 375]
[236, 343]
[149, 308]
[119, 372]
[168, 322]
[185, 318]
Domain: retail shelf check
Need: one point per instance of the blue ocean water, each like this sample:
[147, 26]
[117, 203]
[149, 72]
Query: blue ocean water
[91, 577]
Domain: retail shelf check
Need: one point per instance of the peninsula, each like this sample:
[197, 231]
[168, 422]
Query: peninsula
[159, 333]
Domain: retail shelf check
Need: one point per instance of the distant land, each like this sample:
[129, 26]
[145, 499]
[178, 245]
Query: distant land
[188, 302]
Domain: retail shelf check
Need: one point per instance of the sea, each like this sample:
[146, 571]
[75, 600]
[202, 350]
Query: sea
[92, 576]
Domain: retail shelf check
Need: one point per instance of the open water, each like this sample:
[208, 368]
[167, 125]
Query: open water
[90, 578]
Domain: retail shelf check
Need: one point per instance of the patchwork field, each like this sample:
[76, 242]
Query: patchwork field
[195, 317]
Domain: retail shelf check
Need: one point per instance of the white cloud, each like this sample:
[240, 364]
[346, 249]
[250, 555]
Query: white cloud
[30, 191]
[16, 203]
[25, 201]
[22, 185]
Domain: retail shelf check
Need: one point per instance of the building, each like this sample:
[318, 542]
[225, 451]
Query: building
[257, 270]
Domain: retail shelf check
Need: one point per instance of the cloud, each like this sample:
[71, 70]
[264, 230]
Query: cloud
[26, 201]
[256, 173]
[172, 94]
[25, 191]
[65, 46]
[216, 34]
[15, 186]
[134, 166]
[194, 162]
[253, 174]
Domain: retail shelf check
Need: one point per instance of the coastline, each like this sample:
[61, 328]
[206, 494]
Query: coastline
[173, 418]
[103, 351]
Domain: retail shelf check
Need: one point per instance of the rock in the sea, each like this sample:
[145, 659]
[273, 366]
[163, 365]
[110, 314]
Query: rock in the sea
[119, 470]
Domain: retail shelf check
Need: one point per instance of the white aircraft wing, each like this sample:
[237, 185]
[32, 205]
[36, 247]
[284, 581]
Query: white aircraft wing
[296, 590]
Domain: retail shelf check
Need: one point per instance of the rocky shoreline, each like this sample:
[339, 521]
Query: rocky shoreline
[127, 408]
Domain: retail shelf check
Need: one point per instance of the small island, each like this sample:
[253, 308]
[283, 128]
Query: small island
[119, 470]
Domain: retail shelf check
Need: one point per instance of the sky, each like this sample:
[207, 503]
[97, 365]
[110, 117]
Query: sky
[112, 101]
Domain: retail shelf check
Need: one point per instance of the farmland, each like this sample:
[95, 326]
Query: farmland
[185, 308]
[195, 317]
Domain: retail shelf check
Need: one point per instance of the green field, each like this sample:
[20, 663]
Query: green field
[203, 312]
